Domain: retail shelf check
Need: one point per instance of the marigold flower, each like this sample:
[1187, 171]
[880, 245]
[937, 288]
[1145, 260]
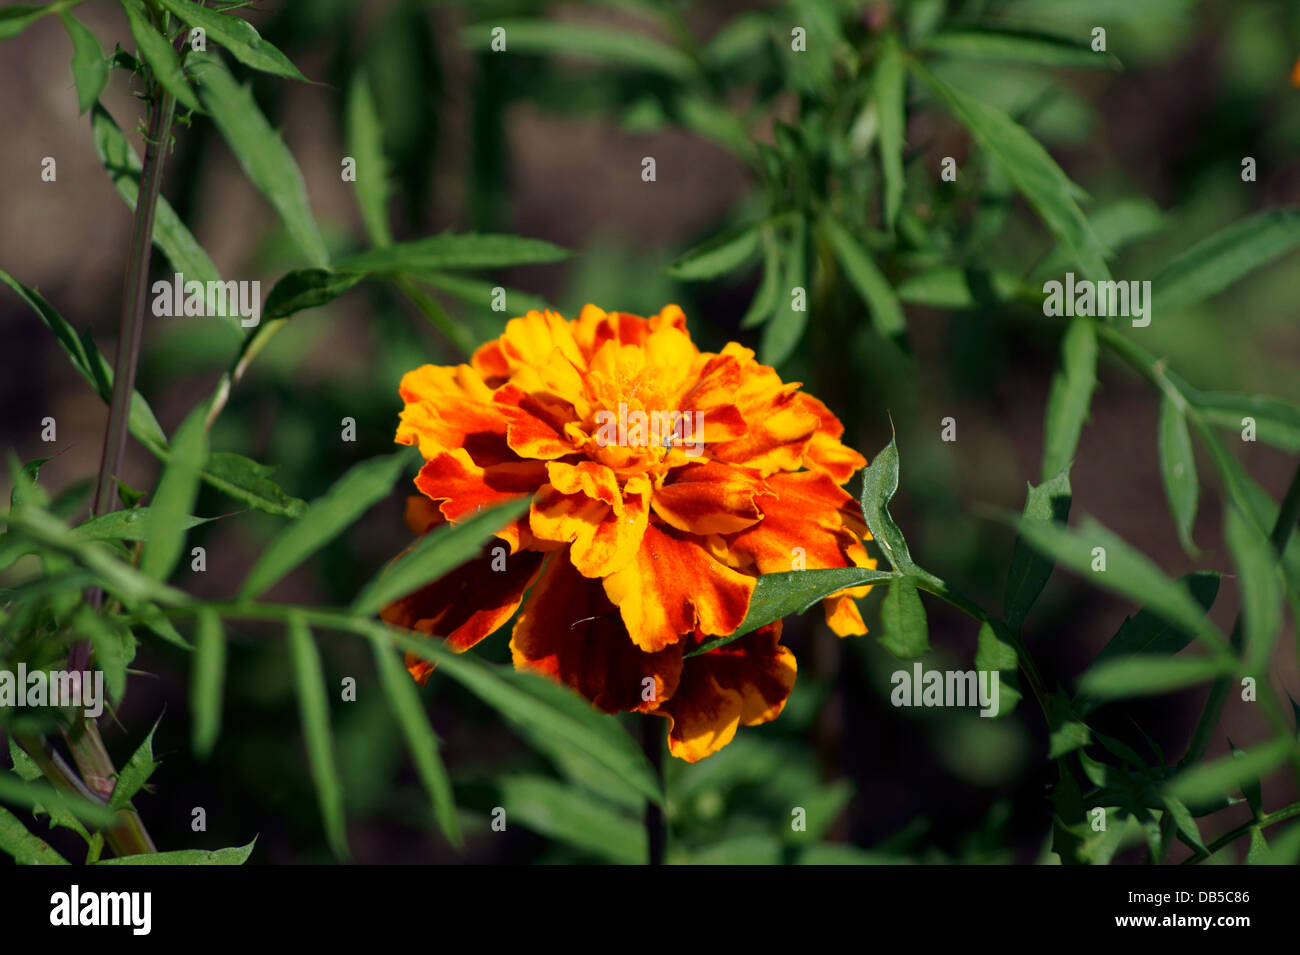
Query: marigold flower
[663, 481]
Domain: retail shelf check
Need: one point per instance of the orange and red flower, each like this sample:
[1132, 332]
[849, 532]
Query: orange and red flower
[663, 481]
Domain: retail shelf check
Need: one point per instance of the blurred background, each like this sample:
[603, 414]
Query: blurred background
[551, 147]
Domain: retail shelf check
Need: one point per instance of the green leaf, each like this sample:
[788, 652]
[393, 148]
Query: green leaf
[157, 51]
[902, 618]
[1258, 853]
[1070, 396]
[769, 290]
[952, 286]
[40, 794]
[17, 16]
[879, 482]
[404, 701]
[306, 288]
[889, 90]
[250, 482]
[262, 154]
[1127, 572]
[1261, 588]
[126, 525]
[233, 856]
[618, 47]
[1031, 169]
[365, 137]
[236, 35]
[1229, 773]
[1277, 422]
[869, 281]
[207, 682]
[325, 518]
[313, 707]
[1213, 264]
[552, 717]
[784, 330]
[993, 651]
[175, 496]
[484, 293]
[448, 251]
[88, 361]
[1148, 674]
[1029, 571]
[135, 773]
[719, 255]
[1251, 790]
[1178, 469]
[58, 814]
[1147, 632]
[1020, 46]
[570, 816]
[1186, 824]
[15, 840]
[435, 554]
[113, 644]
[89, 65]
[779, 595]
[170, 234]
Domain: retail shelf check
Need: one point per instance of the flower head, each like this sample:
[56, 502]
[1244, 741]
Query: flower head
[663, 480]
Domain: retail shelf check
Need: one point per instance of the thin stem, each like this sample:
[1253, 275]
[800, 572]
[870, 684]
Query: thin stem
[126, 836]
[656, 832]
[1268, 819]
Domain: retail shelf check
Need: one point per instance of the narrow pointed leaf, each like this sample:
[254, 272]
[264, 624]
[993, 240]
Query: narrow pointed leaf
[313, 708]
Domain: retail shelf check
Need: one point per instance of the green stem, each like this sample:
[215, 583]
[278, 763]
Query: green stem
[1268, 819]
[126, 835]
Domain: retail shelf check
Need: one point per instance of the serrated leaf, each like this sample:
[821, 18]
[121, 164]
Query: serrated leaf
[1070, 396]
[89, 65]
[237, 35]
[1218, 261]
[313, 708]
[902, 620]
[174, 499]
[352, 495]
[786, 326]
[135, 773]
[128, 525]
[421, 740]
[306, 288]
[1029, 571]
[1178, 469]
[250, 482]
[1031, 168]
[871, 285]
[157, 51]
[233, 856]
[793, 592]
[435, 554]
[879, 482]
[450, 251]
[207, 682]
[18, 792]
[15, 840]
[261, 153]
[619, 47]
